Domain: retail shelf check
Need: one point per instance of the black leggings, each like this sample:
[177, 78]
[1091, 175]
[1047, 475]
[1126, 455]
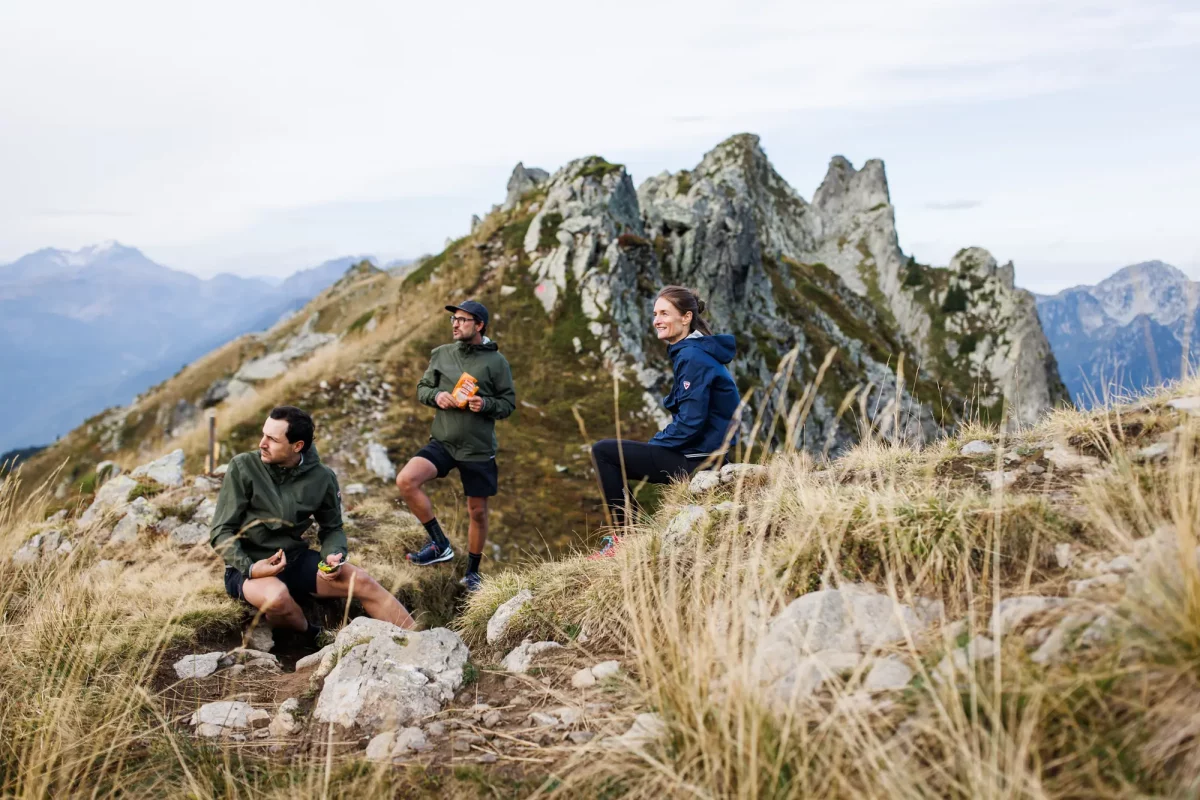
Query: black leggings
[642, 462]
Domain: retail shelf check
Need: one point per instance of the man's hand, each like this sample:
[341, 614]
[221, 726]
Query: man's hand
[445, 400]
[335, 561]
[475, 403]
[269, 567]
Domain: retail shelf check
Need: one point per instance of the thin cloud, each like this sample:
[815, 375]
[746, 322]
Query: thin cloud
[79, 212]
[953, 205]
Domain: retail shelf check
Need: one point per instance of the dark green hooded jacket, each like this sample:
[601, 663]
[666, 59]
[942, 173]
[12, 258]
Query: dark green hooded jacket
[468, 435]
[272, 507]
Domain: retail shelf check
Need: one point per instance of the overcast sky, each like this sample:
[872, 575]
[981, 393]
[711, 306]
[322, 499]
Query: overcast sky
[262, 137]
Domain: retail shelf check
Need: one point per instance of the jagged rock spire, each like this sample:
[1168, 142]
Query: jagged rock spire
[521, 181]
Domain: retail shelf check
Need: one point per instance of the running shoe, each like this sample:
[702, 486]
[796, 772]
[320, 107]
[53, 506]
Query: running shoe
[471, 581]
[608, 548]
[430, 554]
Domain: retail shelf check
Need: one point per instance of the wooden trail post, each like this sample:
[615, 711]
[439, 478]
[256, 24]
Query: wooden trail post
[210, 460]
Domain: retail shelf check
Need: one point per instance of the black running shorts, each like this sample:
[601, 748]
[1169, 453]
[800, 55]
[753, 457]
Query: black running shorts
[479, 478]
[299, 576]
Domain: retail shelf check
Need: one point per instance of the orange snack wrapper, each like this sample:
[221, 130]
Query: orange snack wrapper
[465, 389]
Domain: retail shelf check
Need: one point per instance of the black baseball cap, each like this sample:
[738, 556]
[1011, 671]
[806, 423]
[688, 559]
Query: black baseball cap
[472, 307]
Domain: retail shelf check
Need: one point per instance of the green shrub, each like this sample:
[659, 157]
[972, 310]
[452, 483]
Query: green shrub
[956, 300]
[912, 273]
[144, 490]
[513, 234]
[548, 235]
[597, 167]
[361, 322]
[684, 181]
[424, 272]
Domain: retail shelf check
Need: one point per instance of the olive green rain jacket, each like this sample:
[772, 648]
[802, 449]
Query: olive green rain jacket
[468, 435]
[265, 507]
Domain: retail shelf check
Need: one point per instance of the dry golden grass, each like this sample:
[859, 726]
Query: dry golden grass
[82, 644]
[1116, 719]
[90, 704]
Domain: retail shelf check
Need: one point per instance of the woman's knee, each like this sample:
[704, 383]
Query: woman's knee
[605, 450]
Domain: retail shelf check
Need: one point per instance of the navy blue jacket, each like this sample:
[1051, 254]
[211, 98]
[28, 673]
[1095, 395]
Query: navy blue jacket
[704, 398]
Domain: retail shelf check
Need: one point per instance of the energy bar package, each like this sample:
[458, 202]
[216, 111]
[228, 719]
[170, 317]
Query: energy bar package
[465, 389]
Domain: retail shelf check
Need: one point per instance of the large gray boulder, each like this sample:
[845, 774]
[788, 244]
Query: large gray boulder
[203, 515]
[378, 462]
[688, 521]
[229, 718]
[188, 534]
[42, 545]
[140, 516]
[520, 658]
[386, 677]
[265, 368]
[305, 342]
[167, 470]
[854, 618]
[112, 496]
[225, 389]
[199, 665]
[498, 624]
[827, 632]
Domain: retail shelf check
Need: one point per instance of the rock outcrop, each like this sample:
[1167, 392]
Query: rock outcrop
[825, 633]
[522, 180]
[783, 274]
[386, 677]
[305, 342]
[166, 471]
[736, 231]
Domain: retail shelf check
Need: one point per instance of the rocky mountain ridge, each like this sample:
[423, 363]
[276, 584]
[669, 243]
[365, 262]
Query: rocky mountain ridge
[1134, 330]
[784, 273]
[569, 266]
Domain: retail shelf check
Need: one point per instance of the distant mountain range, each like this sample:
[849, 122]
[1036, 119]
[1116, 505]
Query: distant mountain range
[1133, 330]
[88, 329]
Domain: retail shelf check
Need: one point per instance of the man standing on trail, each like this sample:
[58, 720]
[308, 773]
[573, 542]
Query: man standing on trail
[470, 384]
[268, 500]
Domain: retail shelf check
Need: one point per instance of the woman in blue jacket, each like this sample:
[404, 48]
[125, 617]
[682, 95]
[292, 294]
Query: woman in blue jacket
[704, 401]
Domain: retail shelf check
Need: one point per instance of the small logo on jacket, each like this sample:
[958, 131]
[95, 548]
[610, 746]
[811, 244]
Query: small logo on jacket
[687, 384]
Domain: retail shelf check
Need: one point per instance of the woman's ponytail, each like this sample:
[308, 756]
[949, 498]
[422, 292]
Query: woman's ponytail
[685, 300]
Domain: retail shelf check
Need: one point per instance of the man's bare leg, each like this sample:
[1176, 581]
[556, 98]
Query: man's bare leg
[477, 509]
[416, 473]
[271, 597]
[377, 601]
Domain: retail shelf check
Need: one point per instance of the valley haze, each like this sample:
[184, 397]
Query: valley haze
[91, 328]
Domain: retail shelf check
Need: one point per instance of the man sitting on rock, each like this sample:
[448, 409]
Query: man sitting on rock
[267, 502]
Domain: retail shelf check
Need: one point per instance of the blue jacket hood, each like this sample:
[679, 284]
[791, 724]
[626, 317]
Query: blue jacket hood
[720, 346]
[704, 398]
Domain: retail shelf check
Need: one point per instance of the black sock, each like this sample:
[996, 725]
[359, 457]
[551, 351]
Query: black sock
[435, 534]
[313, 631]
[473, 561]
